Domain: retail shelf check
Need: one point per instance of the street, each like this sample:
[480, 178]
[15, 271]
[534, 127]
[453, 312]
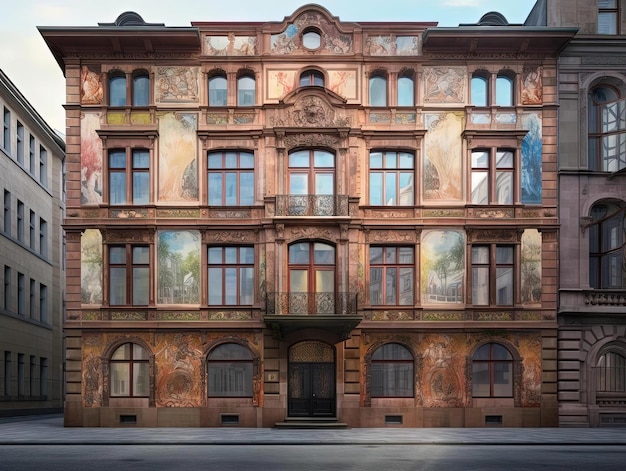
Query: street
[311, 457]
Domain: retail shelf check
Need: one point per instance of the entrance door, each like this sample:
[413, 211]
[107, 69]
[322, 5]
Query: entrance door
[311, 380]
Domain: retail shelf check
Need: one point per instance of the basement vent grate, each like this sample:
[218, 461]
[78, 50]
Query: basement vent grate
[229, 419]
[493, 420]
[393, 419]
[128, 419]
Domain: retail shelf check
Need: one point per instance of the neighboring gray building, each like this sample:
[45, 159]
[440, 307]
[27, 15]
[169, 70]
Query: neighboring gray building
[32, 269]
[592, 190]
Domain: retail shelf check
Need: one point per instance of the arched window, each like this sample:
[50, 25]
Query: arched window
[406, 90]
[130, 371]
[392, 371]
[141, 89]
[479, 90]
[246, 91]
[492, 371]
[230, 371]
[607, 243]
[218, 90]
[504, 90]
[117, 90]
[607, 129]
[378, 90]
[611, 373]
[311, 78]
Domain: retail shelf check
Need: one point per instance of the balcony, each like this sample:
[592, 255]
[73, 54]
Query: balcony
[331, 311]
[312, 205]
[605, 297]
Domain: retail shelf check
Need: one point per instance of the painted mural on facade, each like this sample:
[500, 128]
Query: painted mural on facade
[443, 169]
[392, 45]
[90, 160]
[177, 85]
[178, 255]
[178, 168]
[531, 267]
[532, 85]
[442, 266]
[343, 83]
[230, 45]
[91, 91]
[445, 84]
[532, 152]
[332, 41]
[280, 82]
[91, 267]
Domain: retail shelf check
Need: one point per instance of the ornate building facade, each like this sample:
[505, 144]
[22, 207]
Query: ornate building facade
[592, 187]
[311, 220]
[31, 250]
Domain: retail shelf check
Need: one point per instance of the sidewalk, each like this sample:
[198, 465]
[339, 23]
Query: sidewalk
[45, 430]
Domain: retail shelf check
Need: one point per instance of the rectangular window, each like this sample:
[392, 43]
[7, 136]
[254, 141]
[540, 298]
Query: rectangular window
[7, 288]
[493, 275]
[7, 212]
[129, 269]
[392, 176]
[31, 154]
[20, 221]
[7, 373]
[7, 131]
[21, 294]
[129, 176]
[20, 143]
[230, 275]
[392, 275]
[31, 377]
[32, 306]
[43, 166]
[32, 238]
[231, 178]
[43, 377]
[43, 237]
[43, 303]
[493, 176]
[21, 389]
[607, 17]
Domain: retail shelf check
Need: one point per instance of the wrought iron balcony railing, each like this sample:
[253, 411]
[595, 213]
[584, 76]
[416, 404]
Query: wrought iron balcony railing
[312, 304]
[312, 205]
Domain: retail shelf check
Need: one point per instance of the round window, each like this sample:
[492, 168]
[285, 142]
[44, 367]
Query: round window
[311, 39]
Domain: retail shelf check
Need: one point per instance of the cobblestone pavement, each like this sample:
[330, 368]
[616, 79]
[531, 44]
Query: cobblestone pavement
[41, 430]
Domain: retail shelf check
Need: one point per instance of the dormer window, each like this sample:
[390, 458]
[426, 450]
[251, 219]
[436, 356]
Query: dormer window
[311, 39]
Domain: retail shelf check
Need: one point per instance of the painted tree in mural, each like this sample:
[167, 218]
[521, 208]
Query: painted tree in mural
[179, 267]
[531, 267]
[442, 266]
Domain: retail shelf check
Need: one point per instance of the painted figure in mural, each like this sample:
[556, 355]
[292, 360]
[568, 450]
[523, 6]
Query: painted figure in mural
[91, 92]
[532, 93]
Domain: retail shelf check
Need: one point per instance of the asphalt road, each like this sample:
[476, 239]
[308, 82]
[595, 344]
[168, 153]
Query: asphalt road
[311, 457]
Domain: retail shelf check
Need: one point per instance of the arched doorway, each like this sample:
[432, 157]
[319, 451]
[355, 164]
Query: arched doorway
[311, 386]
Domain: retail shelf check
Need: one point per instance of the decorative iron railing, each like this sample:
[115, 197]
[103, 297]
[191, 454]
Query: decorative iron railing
[312, 205]
[312, 304]
[603, 297]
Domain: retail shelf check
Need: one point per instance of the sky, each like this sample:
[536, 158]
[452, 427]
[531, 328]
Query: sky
[29, 64]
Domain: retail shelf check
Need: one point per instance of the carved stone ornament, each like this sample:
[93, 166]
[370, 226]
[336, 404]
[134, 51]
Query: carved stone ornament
[310, 111]
[111, 236]
[311, 233]
[311, 140]
[231, 236]
[392, 236]
[476, 235]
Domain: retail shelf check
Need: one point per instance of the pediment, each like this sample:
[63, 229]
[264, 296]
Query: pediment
[311, 108]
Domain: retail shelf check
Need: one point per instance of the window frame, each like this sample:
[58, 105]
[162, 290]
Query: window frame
[405, 85]
[379, 376]
[378, 87]
[480, 78]
[129, 266]
[228, 366]
[132, 363]
[225, 169]
[599, 135]
[491, 363]
[312, 170]
[604, 10]
[385, 171]
[243, 100]
[506, 97]
[140, 78]
[116, 83]
[604, 260]
[385, 268]
[215, 100]
[130, 170]
[6, 142]
[493, 171]
[240, 265]
[312, 78]
[491, 265]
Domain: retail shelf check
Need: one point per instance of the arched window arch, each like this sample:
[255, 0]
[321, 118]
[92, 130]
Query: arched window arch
[504, 89]
[246, 90]
[406, 89]
[479, 92]
[230, 370]
[218, 90]
[378, 89]
[141, 88]
[610, 372]
[117, 90]
[311, 278]
[392, 371]
[492, 371]
[607, 127]
[607, 245]
[312, 77]
[130, 371]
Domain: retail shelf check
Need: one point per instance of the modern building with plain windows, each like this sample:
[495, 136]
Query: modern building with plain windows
[311, 220]
[592, 192]
[32, 255]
